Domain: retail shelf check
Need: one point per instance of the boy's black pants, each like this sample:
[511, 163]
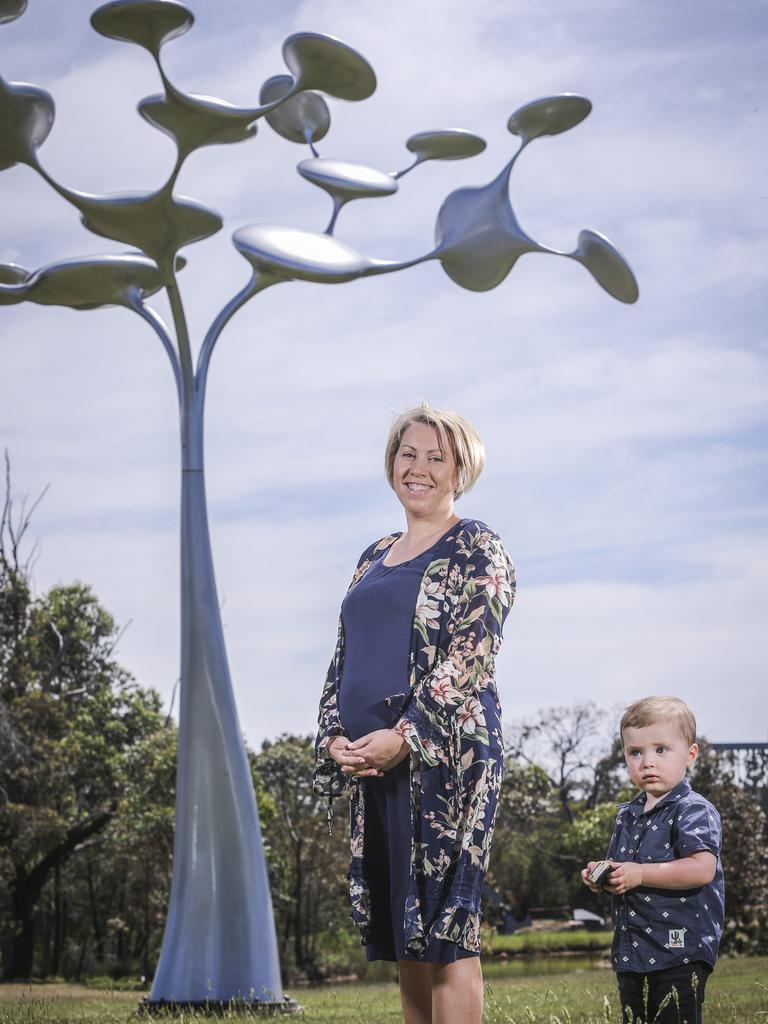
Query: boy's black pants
[689, 980]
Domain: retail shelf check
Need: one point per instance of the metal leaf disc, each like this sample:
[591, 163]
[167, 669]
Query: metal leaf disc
[26, 118]
[195, 121]
[153, 222]
[12, 281]
[93, 281]
[606, 264]
[445, 144]
[87, 282]
[304, 117]
[347, 180]
[300, 255]
[325, 63]
[148, 23]
[12, 273]
[549, 116]
[10, 10]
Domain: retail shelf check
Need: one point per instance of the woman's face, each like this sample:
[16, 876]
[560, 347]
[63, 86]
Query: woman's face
[425, 475]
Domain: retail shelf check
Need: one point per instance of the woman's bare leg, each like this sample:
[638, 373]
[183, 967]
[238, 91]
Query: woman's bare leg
[416, 991]
[457, 992]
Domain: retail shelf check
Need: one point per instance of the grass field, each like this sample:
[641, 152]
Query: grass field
[548, 941]
[736, 994]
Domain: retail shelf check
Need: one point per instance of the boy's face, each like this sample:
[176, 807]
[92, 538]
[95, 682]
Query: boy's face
[657, 757]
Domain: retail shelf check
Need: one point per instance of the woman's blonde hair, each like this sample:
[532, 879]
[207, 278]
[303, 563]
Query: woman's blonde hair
[660, 709]
[454, 433]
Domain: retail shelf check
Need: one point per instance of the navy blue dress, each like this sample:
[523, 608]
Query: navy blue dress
[377, 616]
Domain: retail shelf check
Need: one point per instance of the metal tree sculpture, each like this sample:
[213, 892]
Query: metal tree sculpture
[219, 939]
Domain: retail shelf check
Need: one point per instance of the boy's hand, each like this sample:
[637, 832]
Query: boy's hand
[626, 875]
[585, 876]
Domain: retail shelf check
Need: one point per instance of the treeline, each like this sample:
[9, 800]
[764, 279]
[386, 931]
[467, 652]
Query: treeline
[87, 778]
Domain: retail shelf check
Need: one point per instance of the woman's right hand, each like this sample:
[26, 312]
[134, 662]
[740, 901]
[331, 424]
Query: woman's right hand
[350, 759]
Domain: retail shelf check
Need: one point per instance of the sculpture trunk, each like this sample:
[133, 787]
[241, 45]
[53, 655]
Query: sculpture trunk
[219, 941]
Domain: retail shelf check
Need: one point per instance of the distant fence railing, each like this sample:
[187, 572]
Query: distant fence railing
[748, 760]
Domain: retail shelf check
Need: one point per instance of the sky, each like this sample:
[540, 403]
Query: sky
[626, 444]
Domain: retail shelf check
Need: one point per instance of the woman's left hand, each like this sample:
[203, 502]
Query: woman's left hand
[382, 749]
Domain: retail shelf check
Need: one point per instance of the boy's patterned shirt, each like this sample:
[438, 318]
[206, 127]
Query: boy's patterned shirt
[658, 928]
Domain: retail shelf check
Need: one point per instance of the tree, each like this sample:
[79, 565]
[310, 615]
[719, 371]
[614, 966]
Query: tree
[68, 714]
[307, 866]
[75, 713]
[569, 745]
[744, 854]
[527, 821]
[134, 864]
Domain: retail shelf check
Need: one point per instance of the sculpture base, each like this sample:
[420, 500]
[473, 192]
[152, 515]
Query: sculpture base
[219, 1007]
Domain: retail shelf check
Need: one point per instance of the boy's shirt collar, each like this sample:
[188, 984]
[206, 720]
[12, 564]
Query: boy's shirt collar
[637, 805]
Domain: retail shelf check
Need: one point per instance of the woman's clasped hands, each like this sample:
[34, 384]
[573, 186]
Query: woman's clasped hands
[370, 755]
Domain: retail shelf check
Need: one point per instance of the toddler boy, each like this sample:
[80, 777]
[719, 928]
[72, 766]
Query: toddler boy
[666, 882]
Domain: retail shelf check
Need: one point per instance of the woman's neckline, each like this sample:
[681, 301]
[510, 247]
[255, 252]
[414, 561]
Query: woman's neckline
[420, 553]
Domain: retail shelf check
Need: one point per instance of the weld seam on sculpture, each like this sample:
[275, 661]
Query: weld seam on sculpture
[219, 941]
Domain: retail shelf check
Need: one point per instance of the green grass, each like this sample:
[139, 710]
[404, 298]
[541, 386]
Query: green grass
[736, 994]
[549, 942]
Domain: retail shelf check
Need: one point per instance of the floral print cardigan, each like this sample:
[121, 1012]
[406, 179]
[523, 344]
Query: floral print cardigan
[451, 719]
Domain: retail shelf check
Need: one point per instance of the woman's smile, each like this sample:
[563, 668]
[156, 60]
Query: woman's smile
[425, 473]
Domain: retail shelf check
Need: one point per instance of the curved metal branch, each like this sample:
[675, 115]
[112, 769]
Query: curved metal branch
[337, 205]
[257, 283]
[157, 324]
[186, 374]
[399, 174]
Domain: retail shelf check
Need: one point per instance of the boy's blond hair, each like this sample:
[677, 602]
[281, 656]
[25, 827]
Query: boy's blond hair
[659, 709]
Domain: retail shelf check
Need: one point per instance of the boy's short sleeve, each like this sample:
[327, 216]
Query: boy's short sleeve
[697, 828]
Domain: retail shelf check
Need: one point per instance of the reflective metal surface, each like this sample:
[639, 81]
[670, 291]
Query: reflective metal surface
[220, 941]
[11, 9]
[26, 118]
[85, 283]
[478, 237]
[148, 23]
[156, 222]
[347, 181]
[304, 117]
[296, 255]
[325, 63]
[443, 144]
[195, 121]
[11, 273]
[606, 264]
[548, 116]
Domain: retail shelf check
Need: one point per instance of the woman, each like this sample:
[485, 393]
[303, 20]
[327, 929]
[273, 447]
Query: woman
[410, 719]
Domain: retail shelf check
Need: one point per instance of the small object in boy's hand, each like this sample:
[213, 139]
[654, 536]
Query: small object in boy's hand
[600, 872]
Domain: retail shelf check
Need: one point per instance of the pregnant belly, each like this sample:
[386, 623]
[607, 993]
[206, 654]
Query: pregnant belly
[362, 712]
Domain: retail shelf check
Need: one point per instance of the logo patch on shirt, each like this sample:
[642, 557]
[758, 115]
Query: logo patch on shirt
[677, 938]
